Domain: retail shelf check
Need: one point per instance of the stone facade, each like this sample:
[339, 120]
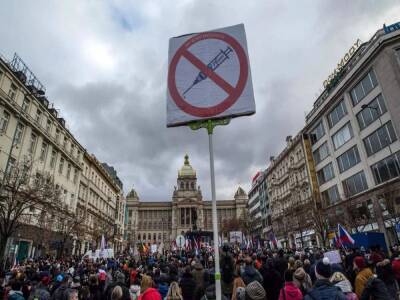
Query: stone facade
[158, 222]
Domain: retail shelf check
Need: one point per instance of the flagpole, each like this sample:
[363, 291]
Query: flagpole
[209, 125]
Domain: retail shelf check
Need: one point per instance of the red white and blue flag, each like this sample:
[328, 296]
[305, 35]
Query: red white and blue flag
[344, 236]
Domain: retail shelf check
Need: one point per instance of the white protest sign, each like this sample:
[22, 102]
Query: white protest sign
[153, 248]
[235, 236]
[334, 256]
[209, 76]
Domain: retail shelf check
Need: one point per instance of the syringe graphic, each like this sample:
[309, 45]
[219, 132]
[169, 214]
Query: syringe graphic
[212, 65]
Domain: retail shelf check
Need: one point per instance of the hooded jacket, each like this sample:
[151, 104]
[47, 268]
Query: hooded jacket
[198, 274]
[188, 286]
[302, 280]
[290, 292]
[346, 288]
[324, 290]
[361, 281]
[150, 294]
[375, 289]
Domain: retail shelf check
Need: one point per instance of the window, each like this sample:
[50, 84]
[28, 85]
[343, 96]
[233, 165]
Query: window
[65, 142]
[25, 104]
[38, 115]
[4, 122]
[367, 84]
[57, 135]
[331, 195]
[321, 153]
[355, 184]
[43, 151]
[317, 133]
[48, 125]
[75, 175]
[387, 168]
[61, 166]
[337, 113]
[342, 136]
[72, 149]
[380, 138]
[325, 174]
[53, 159]
[32, 143]
[11, 165]
[348, 159]
[368, 115]
[12, 93]
[18, 133]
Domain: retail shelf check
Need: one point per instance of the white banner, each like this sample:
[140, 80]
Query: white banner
[209, 76]
[235, 236]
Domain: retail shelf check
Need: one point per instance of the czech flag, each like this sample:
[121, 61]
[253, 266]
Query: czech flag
[344, 236]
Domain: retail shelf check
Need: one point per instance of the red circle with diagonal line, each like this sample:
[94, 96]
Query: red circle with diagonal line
[233, 92]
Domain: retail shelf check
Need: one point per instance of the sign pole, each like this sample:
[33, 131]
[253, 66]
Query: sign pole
[210, 125]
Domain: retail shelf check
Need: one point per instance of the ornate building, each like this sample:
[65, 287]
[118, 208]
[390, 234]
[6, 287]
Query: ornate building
[158, 222]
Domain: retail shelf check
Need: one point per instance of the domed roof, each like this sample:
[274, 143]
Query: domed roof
[132, 194]
[187, 170]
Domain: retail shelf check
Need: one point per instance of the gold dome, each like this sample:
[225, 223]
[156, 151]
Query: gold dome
[186, 170]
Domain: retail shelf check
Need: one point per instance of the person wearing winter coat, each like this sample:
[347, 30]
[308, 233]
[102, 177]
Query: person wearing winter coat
[323, 289]
[41, 291]
[174, 292]
[385, 273]
[187, 284]
[396, 268]
[15, 292]
[363, 274]
[302, 280]
[272, 281]
[375, 289]
[198, 275]
[339, 280]
[150, 294]
[249, 273]
[254, 291]
[290, 291]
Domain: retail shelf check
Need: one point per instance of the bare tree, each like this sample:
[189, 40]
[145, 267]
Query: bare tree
[22, 194]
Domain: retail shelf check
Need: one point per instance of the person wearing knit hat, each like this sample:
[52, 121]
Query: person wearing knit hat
[255, 291]
[323, 288]
[363, 274]
[339, 280]
[302, 280]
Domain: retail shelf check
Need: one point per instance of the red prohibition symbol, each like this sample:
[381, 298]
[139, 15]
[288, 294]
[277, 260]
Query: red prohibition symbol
[233, 92]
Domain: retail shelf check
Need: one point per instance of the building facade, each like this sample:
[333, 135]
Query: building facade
[354, 130]
[99, 202]
[290, 195]
[258, 204]
[161, 222]
[33, 133]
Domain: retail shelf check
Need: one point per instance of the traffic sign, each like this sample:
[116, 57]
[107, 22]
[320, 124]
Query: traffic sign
[209, 76]
[180, 241]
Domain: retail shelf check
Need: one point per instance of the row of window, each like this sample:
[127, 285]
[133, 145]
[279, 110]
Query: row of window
[366, 117]
[384, 170]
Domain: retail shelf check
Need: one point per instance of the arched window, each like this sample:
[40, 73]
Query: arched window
[192, 185]
[187, 185]
[139, 237]
[154, 236]
[182, 185]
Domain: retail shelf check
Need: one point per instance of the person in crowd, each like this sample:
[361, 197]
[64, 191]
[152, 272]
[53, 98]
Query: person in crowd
[302, 280]
[375, 289]
[174, 292]
[290, 291]
[187, 284]
[340, 280]
[254, 291]
[41, 290]
[237, 284]
[249, 273]
[272, 282]
[227, 266]
[198, 275]
[323, 289]
[384, 271]
[15, 292]
[61, 291]
[363, 274]
[396, 267]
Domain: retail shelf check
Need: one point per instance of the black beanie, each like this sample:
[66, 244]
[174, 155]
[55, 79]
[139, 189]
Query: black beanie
[323, 268]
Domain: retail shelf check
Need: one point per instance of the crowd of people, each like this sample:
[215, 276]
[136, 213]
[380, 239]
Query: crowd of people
[179, 275]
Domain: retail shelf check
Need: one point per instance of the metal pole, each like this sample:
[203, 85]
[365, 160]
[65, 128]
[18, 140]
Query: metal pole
[214, 219]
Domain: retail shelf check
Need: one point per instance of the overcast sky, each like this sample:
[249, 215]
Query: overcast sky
[104, 64]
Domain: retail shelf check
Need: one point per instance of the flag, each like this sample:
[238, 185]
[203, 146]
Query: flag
[272, 238]
[102, 243]
[344, 236]
[337, 241]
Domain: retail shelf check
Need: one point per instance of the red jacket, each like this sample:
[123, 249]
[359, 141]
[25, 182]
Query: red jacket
[396, 268]
[292, 292]
[150, 294]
